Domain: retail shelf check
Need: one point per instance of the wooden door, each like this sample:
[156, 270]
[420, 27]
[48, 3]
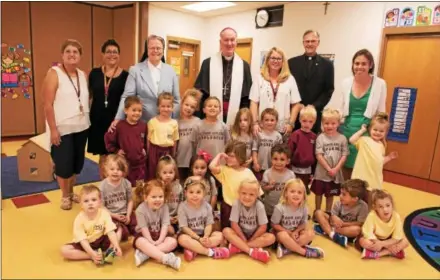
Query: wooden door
[244, 49]
[412, 61]
[183, 57]
[435, 170]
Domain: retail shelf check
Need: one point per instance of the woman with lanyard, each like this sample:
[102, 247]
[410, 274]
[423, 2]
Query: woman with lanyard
[66, 106]
[106, 84]
[275, 88]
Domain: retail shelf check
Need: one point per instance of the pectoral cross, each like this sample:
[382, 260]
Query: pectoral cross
[326, 4]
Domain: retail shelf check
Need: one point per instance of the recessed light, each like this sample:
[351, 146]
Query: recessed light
[208, 6]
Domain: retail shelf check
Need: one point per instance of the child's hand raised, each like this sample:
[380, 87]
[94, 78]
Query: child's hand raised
[364, 127]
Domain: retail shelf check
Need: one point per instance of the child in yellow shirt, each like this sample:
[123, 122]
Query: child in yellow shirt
[93, 231]
[382, 232]
[371, 153]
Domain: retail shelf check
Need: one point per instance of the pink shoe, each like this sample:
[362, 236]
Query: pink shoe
[233, 250]
[189, 255]
[221, 253]
[400, 255]
[367, 254]
[260, 255]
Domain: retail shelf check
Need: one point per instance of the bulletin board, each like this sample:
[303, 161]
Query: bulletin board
[402, 110]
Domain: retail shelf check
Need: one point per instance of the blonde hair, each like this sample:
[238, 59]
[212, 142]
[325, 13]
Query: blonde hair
[73, 43]
[235, 131]
[330, 113]
[196, 180]
[252, 182]
[87, 189]
[291, 184]
[284, 72]
[380, 194]
[165, 96]
[120, 161]
[308, 111]
[380, 118]
[195, 93]
[143, 189]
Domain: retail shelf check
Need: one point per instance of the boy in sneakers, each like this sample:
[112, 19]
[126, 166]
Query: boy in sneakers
[249, 224]
[347, 215]
[93, 231]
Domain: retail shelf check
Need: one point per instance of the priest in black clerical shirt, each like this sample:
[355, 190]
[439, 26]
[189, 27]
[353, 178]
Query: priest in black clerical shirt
[314, 76]
[226, 76]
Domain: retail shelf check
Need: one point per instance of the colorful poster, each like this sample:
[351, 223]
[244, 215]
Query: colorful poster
[16, 71]
[436, 15]
[406, 17]
[329, 56]
[423, 16]
[175, 63]
[391, 18]
[402, 110]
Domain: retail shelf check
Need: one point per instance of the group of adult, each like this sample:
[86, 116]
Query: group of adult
[284, 84]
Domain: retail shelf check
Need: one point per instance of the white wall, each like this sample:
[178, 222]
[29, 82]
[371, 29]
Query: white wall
[347, 28]
[163, 22]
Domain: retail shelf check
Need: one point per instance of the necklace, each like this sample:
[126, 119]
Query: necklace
[107, 83]
[77, 90]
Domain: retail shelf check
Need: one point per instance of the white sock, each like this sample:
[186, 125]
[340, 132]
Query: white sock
[331, 234]
[250, 251]
[210, 252]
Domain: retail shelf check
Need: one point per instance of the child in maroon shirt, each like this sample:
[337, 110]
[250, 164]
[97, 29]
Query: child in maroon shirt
[129, 140]
[302, 145]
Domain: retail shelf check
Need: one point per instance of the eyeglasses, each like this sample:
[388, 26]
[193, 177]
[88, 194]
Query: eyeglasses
[111, 52]
[276, 58]
[310, 41]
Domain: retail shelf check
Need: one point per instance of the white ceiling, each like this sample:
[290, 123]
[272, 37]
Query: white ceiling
[240, 7]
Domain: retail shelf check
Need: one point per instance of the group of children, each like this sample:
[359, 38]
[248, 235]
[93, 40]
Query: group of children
[259, 208]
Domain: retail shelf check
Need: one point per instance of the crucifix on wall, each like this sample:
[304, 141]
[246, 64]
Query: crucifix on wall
[326, 4]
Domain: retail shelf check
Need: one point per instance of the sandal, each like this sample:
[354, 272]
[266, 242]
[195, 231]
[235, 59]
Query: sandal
[66, 203]
[75, 198]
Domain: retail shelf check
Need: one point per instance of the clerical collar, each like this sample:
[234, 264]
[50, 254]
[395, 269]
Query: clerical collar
[228, 58]
[313, 57]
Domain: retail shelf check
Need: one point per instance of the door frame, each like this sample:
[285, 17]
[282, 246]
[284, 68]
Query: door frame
[197, 43]
[399, 31]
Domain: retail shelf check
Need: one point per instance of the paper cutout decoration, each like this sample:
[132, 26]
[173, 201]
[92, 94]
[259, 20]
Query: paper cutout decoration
[15, 95]
[402, 109]
[27, 96]
[406, 17]
[20, 46]
[436, 15]
[329, 56]
[423, 16]
[262, 57]
[391, 18]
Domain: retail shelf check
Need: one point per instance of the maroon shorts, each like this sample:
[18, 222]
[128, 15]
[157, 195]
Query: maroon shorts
[103, 242]
[326, 188]
[305, 178]
[225, 214]
[137, 173]
[154, 154]
[126, 229]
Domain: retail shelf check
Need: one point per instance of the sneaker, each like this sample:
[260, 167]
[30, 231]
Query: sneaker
[282, 251]
[172, 261]
[66, 203]
[260, 255]
[109, 255]
[368, 254]
[340, 239]
[400, 255]
[75, 198]
[189, 255]
[318, 229]
[102, 256]
[314, 252]
[233, 250]
[140, 257]
[221, 253]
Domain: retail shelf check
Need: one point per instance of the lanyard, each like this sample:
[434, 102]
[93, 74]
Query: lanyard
[274, 90]
[77, 90]
[107, 83]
